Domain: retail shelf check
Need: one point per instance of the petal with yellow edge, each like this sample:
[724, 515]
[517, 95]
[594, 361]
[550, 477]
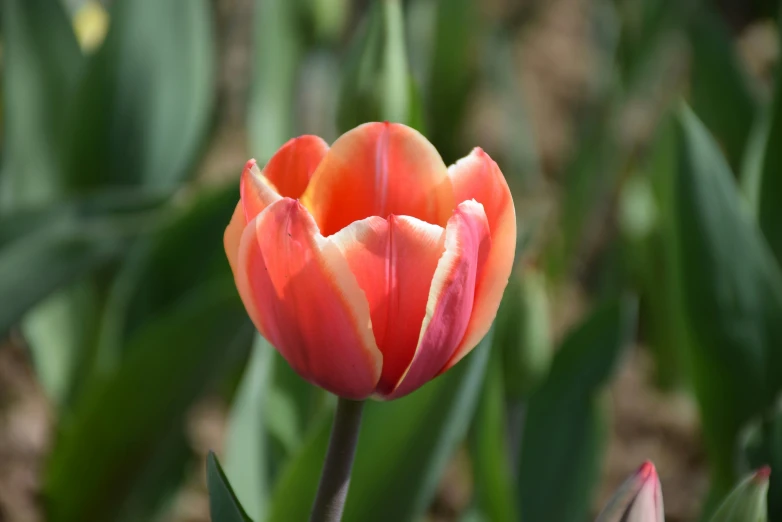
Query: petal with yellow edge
[394, 261]
[379, 169]
[478, 177]
[451, 295]
[301, 295]
[291, 167]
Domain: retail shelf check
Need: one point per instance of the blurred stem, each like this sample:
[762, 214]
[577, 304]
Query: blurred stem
[335, 479]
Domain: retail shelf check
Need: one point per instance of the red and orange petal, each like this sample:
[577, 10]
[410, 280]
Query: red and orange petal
[478, 177]
[301, 295]
[256, 191]
[292, 166]
[287, 174]
[379, 169]
[394, 261]
[451, 296]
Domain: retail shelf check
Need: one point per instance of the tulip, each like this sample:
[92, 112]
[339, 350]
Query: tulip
[747, 501]
[371, 266]
[639, 499]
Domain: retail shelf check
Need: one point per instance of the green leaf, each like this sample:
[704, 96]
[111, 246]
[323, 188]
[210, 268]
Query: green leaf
[34, 266]
[39, 75]
[452, 74]
[154, 276]
[747, 501]
[732, 293]
[564, 433]
[144, 104]
[720, 92]
[663, 325]
[223, 504]
[62, 324]
[121, 417]
[277, 52]
[762, 446]
[522, 333]
[377, 83]
[246, 444]
[410, 439]
[770, 190]
[494, 488]
[58, 331]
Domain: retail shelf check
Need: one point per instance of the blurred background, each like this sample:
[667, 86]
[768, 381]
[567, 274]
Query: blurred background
[642, 140]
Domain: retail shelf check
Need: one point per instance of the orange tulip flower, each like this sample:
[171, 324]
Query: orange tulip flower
[371, 266]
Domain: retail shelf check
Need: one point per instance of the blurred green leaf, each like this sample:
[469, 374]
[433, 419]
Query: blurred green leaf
[747, 501]
[770, 190]
[377, 84]
[277, 52]
[121, 416]
[720, 91]
[58, 331]
[410, 439]
[246, 445]
[564, 433]
[522, 165]
[663, 325]
[522, 333]
[164, 267]
[223, 504]
[751, 173]
[59, 326]
[41, 65]
[159, 478]
[762, 446]
[295, 490]
[732, 292]
[494, 488]
[34, 266]
[589, 178]
[452, 73]
[145, 102]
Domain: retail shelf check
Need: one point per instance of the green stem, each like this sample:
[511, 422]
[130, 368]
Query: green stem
[335, 479]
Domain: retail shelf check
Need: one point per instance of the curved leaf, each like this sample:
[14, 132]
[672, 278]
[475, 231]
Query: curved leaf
[564, 433]
[39, 76]
[223, 504]
[144, 103]
[732, 292]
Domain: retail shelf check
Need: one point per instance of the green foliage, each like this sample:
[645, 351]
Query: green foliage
[143, 104]
[720, 94]
[223, 504]
[732, 292]
[492, 467]
[564, 433]
[247, 448]
[522, 333]
[411, 439]
[747, 501]
[378, 85]
[113, 272]
[39, 76]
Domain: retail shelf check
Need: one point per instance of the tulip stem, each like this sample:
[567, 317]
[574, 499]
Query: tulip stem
[335, 479]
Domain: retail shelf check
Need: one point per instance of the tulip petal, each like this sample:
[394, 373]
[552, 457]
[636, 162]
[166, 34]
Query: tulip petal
[450, 300]
[256, 191]
[291, 167]
[478, 177]
[638, 499]
[394, 261]
[379, 169]
[233, 235]
[301, 295]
